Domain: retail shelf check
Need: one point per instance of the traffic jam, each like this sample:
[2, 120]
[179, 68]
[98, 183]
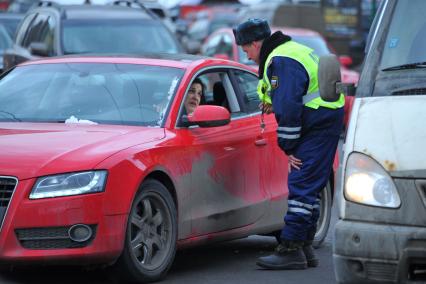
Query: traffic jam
[131, 130]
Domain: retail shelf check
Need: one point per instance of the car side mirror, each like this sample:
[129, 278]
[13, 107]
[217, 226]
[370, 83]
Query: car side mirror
[39, 48]
[208, 116]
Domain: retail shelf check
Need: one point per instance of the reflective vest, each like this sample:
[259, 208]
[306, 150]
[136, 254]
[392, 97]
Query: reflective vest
[305, 56]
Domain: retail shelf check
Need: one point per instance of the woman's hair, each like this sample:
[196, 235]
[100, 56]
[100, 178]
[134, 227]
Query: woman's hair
[198, 81]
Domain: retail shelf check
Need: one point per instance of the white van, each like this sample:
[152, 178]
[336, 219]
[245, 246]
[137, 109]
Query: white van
[381, 232]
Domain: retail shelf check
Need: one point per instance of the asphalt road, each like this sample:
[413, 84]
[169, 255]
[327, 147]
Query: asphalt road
[227, 262]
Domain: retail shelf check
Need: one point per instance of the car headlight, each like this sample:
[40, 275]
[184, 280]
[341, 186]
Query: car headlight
[366, 182]
[69, 184]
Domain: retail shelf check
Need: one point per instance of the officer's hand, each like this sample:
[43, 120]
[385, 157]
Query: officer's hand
[294, 162]
[267, 108]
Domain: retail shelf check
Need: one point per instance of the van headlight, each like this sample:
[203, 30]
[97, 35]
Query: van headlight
[366, 182]
[69, 184]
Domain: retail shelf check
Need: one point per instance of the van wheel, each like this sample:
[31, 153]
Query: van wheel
[150, 240]
[325, 216]
[323, 221]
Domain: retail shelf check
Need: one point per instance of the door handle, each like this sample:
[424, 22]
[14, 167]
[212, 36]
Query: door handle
[260, 142]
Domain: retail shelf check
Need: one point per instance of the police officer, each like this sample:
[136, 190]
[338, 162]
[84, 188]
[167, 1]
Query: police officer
[308, 132]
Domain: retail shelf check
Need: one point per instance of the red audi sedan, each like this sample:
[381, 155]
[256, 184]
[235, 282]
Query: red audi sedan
[101, 164]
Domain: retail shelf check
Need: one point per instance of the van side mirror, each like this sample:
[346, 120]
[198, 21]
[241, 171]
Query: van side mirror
[329, 76]
[348, 89]
[39, 48]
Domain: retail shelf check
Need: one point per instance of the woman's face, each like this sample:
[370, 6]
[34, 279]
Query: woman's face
[193, 98]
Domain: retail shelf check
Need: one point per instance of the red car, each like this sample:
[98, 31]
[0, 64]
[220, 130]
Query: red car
[100, 163]
[222, 44]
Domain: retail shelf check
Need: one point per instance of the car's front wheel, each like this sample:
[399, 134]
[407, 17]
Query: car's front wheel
[150, 242]
[325, 216]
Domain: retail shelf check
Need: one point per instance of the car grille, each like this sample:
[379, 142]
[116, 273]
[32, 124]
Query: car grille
[381, 271]
[410, 92]
[421, 187]
[50, 238]
[7, 187]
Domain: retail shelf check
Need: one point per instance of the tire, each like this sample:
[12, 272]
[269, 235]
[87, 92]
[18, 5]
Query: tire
[323, 221]
[151, 234]
[325, 216]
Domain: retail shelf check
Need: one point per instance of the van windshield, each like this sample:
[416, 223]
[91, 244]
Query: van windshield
[405, 46]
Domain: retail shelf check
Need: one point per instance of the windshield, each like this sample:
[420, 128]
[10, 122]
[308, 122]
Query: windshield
[402, 47]
[10, 25]
[118, 36]
[315, 42]
[126, 94]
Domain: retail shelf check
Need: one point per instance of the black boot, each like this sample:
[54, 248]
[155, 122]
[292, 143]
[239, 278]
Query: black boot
[309, 250]
[288, 255]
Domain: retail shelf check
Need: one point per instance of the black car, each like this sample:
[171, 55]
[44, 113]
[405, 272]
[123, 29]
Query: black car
[52, 29]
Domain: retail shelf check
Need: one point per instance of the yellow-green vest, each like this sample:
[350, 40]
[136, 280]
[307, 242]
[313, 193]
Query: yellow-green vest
[305, 56]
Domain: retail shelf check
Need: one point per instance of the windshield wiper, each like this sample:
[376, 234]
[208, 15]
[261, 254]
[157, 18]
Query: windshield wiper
[11, 115]
[417, 65]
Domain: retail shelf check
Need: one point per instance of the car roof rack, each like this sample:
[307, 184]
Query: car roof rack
[133, 4]
[49, 3]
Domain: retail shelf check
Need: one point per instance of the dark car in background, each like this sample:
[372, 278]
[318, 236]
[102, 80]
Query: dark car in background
[205, 23]
[52, 29]
[8, 25]
[21, 6]
[153, 6]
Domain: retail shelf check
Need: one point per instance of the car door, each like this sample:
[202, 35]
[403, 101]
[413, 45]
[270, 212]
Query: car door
[272, 160]
[226, 187]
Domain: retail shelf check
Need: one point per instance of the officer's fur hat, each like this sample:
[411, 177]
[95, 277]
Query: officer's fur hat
[251, 30]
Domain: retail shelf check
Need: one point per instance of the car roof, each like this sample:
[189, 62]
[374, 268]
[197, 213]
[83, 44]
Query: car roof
[88, 12]
[180, 60]
[175, 60]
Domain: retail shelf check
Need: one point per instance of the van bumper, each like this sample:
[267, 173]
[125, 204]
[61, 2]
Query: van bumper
[372, 253]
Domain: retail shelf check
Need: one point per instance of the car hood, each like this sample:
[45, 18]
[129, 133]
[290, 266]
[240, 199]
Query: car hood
[390, 130]
[37, 149]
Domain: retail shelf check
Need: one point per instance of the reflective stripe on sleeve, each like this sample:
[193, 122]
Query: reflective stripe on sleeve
[288, 136]
[289, 129]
